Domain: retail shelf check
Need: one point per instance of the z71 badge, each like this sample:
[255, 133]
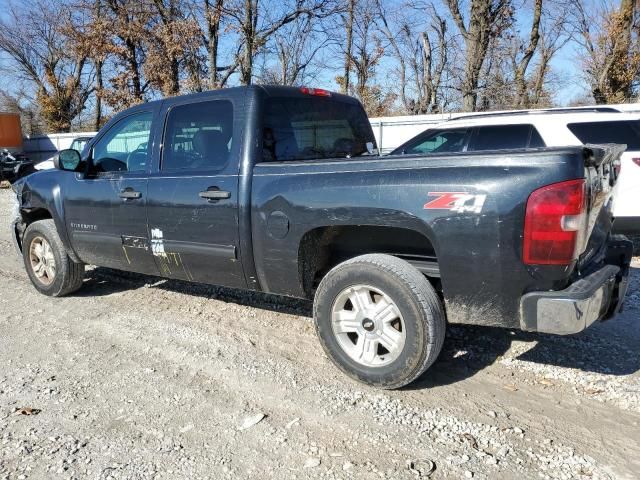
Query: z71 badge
[459, 202]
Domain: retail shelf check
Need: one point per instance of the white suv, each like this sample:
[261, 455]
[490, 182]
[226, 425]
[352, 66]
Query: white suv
[551, 128]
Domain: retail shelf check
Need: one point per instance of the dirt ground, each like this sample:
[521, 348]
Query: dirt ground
[136, 377]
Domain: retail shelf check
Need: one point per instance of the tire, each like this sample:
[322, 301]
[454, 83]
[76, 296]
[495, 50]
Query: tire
[41, 241]
[397, 297]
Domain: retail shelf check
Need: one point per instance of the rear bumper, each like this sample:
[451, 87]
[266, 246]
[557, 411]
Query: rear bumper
[597, 296]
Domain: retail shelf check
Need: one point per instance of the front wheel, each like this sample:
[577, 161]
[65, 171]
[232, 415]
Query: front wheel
[379, 320]
[48, 265]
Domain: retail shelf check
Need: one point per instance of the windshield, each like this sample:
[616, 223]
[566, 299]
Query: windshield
[315, 128]
[79, 144]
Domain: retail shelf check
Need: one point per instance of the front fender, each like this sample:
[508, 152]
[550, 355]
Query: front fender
[40, 196]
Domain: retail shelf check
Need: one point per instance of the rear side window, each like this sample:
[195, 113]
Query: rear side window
[198, 136]
[624, 131]
[314, 128]
[503, 137]
[435, 141]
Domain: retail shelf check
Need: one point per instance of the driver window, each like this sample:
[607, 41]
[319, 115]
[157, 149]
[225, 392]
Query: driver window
[198, 136]
[125, 147]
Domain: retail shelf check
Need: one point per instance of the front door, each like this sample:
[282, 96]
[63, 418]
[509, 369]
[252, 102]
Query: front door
[193, 195]
[105, 209]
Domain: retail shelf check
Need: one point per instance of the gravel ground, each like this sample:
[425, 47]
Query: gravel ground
[138, 377]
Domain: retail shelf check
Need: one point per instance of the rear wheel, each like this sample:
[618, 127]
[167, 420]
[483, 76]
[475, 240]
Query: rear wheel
[379, 320]
[50, 269]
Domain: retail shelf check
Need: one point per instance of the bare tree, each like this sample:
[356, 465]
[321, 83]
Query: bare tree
[348, 28]
[128, 22]
[553, 36]
[291, 53]
[255, 25]
[611, 50]
[421, 65]
[213, 10]
[487, 20]
[34, 40]
[523, 56]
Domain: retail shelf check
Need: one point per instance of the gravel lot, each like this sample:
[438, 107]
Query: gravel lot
[139, 377]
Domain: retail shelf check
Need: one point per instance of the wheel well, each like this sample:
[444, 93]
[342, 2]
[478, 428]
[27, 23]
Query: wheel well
[323, 248]
[28, 217]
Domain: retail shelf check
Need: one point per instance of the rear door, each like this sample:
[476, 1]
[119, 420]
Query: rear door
[193, 194]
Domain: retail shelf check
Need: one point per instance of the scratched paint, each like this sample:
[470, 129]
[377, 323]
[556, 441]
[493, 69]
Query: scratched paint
[157, 242]
[167, 259]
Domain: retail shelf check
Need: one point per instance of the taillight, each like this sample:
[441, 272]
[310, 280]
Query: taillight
[636, 161]
[555, 223]
[318, 92]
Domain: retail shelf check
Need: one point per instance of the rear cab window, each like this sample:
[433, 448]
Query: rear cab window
[315, 128]
[619, 131]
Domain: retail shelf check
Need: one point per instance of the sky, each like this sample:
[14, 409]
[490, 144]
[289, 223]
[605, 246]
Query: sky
[564, 64]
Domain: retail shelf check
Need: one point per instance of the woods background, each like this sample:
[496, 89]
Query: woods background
[70, 64]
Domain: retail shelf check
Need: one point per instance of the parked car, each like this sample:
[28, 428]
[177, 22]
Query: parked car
[281, 190]
[14, 166]
[77, 144]
[540, 128]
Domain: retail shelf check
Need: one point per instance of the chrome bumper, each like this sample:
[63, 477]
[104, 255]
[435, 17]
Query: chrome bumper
[597, 296]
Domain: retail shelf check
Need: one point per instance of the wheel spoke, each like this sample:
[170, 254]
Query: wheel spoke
[385, 311]
[51, 272]
[38, 268]
[390, 338]
[38, 251]
[366, 349]
[360, 299]
[345, 321]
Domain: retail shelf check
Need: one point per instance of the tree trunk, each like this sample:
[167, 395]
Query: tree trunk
[99, 85]
[349, 43]
[213, 31]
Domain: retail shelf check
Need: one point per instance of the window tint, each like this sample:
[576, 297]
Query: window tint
[435, 141]
[501, 137]
[625, 131]
[198, 136]
[314, 128]
[125, 147]
[536, 140]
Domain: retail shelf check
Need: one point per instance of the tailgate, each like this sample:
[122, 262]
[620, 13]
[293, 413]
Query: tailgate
[602, 166]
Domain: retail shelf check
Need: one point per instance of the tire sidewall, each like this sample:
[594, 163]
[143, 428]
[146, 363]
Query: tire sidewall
[37, 230]
[415, 322]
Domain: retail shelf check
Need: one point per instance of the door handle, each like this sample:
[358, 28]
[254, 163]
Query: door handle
[129, 194]
[214, 193]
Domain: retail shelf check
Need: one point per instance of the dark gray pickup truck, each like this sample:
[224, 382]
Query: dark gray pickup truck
[281, 190]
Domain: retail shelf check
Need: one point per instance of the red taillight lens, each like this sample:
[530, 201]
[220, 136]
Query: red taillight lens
[554, 223]
[636, 161]
[318, 92]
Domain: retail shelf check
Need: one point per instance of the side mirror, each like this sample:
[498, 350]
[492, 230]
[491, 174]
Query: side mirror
[67, 160]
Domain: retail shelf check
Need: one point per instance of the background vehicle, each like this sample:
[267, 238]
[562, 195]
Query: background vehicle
[77, 144]
[279, 189]
[13, 164]
[534, 129]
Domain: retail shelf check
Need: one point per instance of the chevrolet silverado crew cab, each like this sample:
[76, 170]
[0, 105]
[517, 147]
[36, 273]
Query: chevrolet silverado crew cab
[281, 190]
[551, 128]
